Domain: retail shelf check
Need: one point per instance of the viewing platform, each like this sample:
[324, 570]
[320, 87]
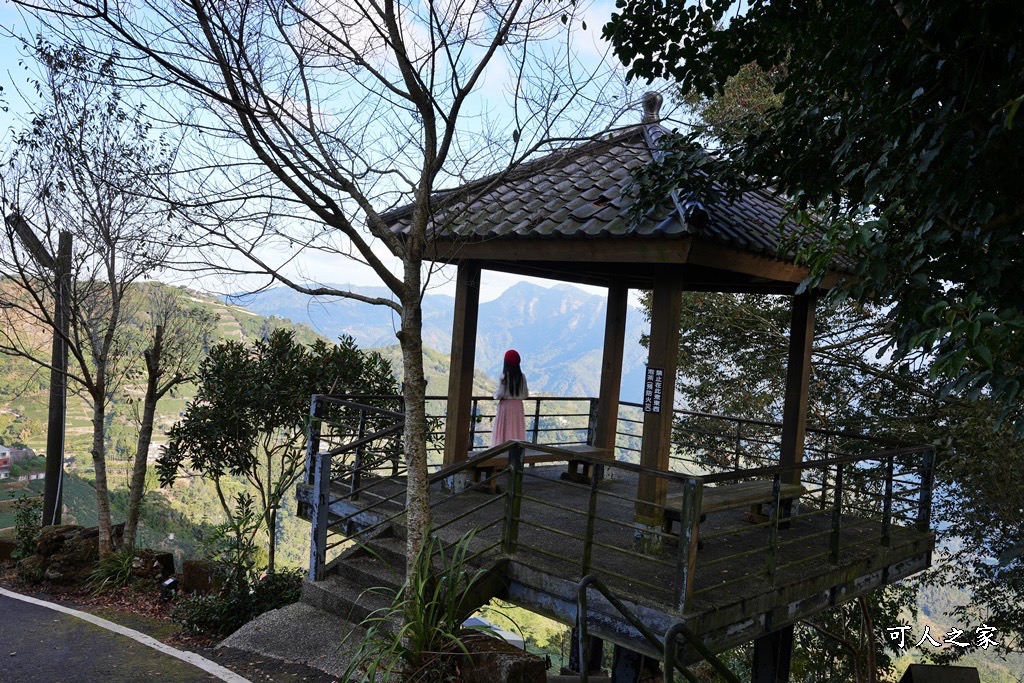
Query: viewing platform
[859, 520]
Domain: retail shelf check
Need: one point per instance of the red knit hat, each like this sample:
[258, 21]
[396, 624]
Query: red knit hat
[512, 357]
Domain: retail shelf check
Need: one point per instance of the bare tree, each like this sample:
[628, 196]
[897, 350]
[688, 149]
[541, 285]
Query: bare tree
[311, 118]
[176, 334]
[85, 165]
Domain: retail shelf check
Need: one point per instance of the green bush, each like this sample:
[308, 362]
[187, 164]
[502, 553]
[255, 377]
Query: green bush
[28, 520]
[236, 604]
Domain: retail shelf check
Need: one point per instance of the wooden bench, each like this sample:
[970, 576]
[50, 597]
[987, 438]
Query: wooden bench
[576, 470]
[738, 495]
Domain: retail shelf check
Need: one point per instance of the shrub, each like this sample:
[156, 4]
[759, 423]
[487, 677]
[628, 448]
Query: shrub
[236, 604]
[28, 520]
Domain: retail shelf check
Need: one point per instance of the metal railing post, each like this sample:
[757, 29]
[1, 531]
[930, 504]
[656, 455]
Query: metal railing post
[316, 412]
[773, 528]
[926, 473]
[510, 537]
[739, 443]
[588, 539]
[319, 516]
[474, 413]
[833, 550]
[689, 529]
[887, 504]
[592, 423]
[536, 420]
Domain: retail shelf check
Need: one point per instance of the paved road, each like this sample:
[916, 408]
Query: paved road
[40, 645]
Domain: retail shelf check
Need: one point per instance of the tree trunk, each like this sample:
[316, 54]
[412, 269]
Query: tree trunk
[99, 461]
[415, 432]
[138, 482]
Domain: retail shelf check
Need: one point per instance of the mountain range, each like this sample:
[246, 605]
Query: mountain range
[558, 331]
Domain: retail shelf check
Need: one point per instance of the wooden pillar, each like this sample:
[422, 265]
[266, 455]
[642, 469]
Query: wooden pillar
[662, 355]
[460, 377]
[798, 373]
[611, 366]
[772, 655]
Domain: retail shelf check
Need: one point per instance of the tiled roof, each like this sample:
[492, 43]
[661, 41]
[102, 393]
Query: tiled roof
[581, 193]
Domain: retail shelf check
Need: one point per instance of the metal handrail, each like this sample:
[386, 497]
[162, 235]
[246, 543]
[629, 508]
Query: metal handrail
[665, 645]
[681, 629]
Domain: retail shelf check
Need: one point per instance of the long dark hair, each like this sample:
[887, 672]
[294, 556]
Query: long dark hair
[513, 378]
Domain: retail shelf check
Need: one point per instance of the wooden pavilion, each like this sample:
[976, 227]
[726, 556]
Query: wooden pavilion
[567, 217]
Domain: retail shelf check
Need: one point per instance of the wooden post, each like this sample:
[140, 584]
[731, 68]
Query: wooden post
[460, 378]
[798, 373]
[53, 480]
[657, 430]
[607, 417]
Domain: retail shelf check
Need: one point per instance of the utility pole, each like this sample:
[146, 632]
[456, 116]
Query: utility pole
[61, 268]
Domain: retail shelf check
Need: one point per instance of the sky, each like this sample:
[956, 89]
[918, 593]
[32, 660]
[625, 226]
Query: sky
[312, 266]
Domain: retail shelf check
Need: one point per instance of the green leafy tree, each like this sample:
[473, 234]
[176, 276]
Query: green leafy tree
[896, 131]
[249, 418]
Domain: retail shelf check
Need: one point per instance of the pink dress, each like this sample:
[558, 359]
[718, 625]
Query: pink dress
[510, 420]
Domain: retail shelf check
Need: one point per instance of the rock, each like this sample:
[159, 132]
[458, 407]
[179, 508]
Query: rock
[150, 564]
[31, 568]
[198, 576]
[74, 562]
[495, 661]
[7, 549]
[52, 538]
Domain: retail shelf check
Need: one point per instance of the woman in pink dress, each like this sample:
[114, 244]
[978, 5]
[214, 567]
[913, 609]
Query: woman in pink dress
[510, 421]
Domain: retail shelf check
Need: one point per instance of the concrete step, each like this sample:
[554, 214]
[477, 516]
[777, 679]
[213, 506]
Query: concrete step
[389, 550]
[367, 570]
[340, 596]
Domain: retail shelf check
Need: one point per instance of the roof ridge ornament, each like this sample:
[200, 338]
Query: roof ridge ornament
[651, 102]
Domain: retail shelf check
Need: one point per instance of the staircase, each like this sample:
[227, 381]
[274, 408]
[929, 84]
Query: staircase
[361, 581]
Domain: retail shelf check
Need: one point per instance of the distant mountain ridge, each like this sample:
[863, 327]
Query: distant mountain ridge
[559, 331]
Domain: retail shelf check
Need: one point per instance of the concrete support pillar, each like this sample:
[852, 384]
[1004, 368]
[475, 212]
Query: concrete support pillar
[629, 666]
[596, 654]
[772, 655]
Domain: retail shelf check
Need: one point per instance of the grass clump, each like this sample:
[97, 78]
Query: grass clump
[419, 637]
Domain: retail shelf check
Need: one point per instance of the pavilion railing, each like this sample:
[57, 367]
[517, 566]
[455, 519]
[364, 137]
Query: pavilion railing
[702, 443]
[849, 504]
